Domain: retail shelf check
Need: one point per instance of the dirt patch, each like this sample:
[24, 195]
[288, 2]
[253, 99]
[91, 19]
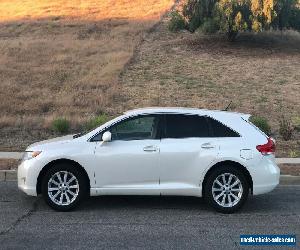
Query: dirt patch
[8, 164]
[290, 169]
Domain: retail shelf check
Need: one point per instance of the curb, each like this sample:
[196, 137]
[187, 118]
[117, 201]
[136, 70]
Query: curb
[11, 175]
[289, 180]
[8, 175]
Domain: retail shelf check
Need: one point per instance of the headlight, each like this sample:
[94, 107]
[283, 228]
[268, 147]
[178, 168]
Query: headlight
[30, 154]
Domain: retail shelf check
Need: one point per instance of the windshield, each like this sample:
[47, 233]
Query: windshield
[90, 133]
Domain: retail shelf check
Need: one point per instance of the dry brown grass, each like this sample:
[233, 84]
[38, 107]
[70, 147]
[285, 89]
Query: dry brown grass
[92, 10]
[69, 61]
[260, 74]
[63, 58]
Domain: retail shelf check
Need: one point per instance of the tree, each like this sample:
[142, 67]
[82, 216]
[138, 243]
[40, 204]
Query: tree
[288, 15]
[233, 16]
[197, 11]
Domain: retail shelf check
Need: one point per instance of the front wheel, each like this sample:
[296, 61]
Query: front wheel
[63, 187]
[226, 189]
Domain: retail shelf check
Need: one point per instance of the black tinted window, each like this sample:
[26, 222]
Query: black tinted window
[220, 130]
[184, 126]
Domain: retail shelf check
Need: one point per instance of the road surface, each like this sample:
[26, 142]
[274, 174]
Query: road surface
[142, 222]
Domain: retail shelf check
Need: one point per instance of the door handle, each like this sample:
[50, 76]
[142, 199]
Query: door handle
[207, 145]
[150, 149]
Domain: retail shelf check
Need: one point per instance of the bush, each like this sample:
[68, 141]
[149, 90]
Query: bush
[296, 123]
[294, 19]
[177, 22]
[197, 11]
[285, 129]
[61, 125]
[261, 123]
[293, 154]
[96, 121]
[235, 16]
[209, 26]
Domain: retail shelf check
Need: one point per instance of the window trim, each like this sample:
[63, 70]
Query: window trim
[127, 119]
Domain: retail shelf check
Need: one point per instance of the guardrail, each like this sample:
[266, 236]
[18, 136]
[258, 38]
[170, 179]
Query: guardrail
[18, 155]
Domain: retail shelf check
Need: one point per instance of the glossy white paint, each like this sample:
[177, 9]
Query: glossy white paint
[153, 167]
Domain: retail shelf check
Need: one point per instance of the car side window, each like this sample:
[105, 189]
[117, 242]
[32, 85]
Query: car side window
[220, 130]
[186, 126]
[137, 128]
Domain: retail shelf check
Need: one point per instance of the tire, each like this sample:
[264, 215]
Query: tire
[230, 197]
[61, 194]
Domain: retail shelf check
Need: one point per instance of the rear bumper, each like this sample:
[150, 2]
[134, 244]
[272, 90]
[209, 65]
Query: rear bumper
[265, 175]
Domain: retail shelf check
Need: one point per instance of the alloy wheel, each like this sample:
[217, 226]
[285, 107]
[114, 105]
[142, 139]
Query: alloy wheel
[63, 188]
[227, 190]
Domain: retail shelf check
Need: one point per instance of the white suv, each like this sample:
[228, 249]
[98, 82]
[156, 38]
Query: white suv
[155, 151]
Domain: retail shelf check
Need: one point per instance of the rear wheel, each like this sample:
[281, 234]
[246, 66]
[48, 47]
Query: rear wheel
[63, 187]
[226, 189]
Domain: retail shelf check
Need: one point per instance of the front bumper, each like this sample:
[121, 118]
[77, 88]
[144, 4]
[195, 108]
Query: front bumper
[28, 172]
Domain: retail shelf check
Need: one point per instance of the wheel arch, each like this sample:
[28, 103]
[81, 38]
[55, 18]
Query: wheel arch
[53, 163]
[228, 163]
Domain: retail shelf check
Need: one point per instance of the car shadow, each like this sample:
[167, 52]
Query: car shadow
[262, 204]
[144, 202]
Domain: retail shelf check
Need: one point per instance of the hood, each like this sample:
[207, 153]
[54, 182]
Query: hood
[50, 143]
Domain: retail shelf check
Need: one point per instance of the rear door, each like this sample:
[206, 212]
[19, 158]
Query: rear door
[187, 148]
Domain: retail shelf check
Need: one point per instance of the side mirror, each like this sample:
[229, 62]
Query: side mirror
[106, 137]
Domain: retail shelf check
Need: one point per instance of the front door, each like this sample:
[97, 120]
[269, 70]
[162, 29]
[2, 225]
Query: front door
[129, 163]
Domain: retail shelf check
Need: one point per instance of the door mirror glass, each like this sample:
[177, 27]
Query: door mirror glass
[106, 137]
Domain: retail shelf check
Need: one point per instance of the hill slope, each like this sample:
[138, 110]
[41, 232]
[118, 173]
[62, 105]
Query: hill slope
[63, 58]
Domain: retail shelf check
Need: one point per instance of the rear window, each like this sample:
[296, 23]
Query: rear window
[220, 130]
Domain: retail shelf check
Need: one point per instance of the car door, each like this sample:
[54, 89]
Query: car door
[128, 164]
[186, 150]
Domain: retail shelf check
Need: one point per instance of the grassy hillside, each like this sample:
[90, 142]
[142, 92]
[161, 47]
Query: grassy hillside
[80, 58]
[63, 58]
[259, 73]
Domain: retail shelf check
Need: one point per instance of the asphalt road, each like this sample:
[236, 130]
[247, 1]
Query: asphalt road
[143, 222]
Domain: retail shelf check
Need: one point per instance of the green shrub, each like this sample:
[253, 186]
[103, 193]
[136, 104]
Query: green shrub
[293, 154]
[296, 123]
[96, 121]
[285, 129]
[294, 19]
[177, 22]
[261, 123]
[209, 26]
[197, 11]
[61, 125]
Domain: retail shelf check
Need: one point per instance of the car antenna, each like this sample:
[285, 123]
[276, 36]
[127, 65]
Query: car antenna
[227, 106]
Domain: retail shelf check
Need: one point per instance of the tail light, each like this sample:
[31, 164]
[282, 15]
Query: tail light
[268, 148]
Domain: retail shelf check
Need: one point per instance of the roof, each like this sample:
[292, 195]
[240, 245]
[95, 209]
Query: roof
[182, 110]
